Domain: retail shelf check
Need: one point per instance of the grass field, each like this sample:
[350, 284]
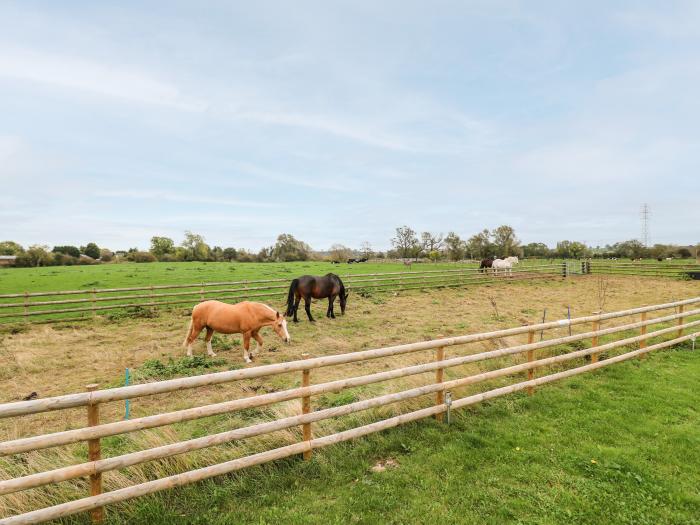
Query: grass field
[620, 446]
[62, 358]
[131, 274]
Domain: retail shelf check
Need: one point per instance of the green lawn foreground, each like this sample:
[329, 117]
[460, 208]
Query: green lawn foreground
[619, 446]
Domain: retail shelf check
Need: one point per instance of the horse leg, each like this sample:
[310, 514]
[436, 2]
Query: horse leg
[330, 306]
[246, 347]
[296, 307]
[307, 307]
[331, 300]
[194, 333]
[258, 340]
[208, 337]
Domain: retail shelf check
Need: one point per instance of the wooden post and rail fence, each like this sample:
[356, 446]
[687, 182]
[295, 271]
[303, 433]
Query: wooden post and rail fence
[50, 306]
[54, 305]
[623, 342]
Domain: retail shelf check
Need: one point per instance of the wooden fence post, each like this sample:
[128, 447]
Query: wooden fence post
[94, 302]
[594, 340]
[439, 376]
[94, 454]
[643, 331]
[306, 408]
[530, 358]
[201, 292]
[680, 321]
[26, 306]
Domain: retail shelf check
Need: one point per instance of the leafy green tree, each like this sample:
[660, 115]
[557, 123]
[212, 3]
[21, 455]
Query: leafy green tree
[505, 241]
[195, 247]
[684, 253]
[287, 248]
[536, 249]
[73, 251]
[10, 248]
[161, 246]
[92, 250]
[632, 249]
[230, 254]
[39, 255]
[479, 246]
[454, 247]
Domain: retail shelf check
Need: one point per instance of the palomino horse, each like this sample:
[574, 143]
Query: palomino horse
[504, 264]
[245, 318]
[309, 286]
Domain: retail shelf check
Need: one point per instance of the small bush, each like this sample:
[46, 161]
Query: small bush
[133, 312]
[141, 257]
[185, 366]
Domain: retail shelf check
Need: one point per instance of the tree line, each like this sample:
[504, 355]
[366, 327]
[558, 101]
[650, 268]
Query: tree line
[406, 244]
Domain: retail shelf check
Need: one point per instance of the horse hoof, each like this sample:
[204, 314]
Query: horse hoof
[212, 354]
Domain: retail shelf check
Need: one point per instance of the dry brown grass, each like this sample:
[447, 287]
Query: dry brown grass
[58, 359]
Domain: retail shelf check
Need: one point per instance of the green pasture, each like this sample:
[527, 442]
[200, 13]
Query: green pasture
[618, 446]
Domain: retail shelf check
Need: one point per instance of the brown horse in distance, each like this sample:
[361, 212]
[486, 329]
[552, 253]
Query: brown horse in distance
[310, 286]
[245, 318]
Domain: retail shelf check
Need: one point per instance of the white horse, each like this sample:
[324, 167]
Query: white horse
[504, 264]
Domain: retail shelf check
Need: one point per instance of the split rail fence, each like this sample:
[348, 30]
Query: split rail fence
[675, 322]
[676, 270]
[64, 305]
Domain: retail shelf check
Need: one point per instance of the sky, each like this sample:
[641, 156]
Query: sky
[339, 121]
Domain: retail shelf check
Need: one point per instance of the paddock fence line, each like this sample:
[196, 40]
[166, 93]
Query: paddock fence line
[674, 270]
[51, 305]
[622, 342]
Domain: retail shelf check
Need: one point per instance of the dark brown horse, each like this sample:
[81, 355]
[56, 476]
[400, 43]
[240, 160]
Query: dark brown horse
[310, 286]
[486, 264]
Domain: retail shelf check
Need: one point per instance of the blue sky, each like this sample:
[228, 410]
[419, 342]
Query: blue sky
[338, 121]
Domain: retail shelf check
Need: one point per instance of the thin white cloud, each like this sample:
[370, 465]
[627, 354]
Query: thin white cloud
[169, 196]
[110, 80]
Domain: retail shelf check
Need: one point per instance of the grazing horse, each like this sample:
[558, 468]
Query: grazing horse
[310, 286]
[245, 318]
[504, 264]
[485, 264]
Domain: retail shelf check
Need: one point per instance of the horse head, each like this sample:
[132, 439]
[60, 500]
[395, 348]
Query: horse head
[280, 328]
[343, 300]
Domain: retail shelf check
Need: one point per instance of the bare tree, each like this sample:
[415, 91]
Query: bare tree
[602, 285]
[366, 249]
[405, 242]
[431, 242]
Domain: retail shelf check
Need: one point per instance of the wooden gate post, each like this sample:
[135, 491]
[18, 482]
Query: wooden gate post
[530, 359]
[680, 321]
[643, 331]
[439, 376]
[594, 340]
[94, 454]
[306, 408]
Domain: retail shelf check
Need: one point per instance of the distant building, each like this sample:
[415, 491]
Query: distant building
[7, 260]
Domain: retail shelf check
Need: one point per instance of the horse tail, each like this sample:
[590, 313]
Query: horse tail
[290, 297]
[189, 332]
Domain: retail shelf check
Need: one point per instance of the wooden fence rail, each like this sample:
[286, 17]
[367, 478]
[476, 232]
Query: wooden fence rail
[683, 319]
[95, 300]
